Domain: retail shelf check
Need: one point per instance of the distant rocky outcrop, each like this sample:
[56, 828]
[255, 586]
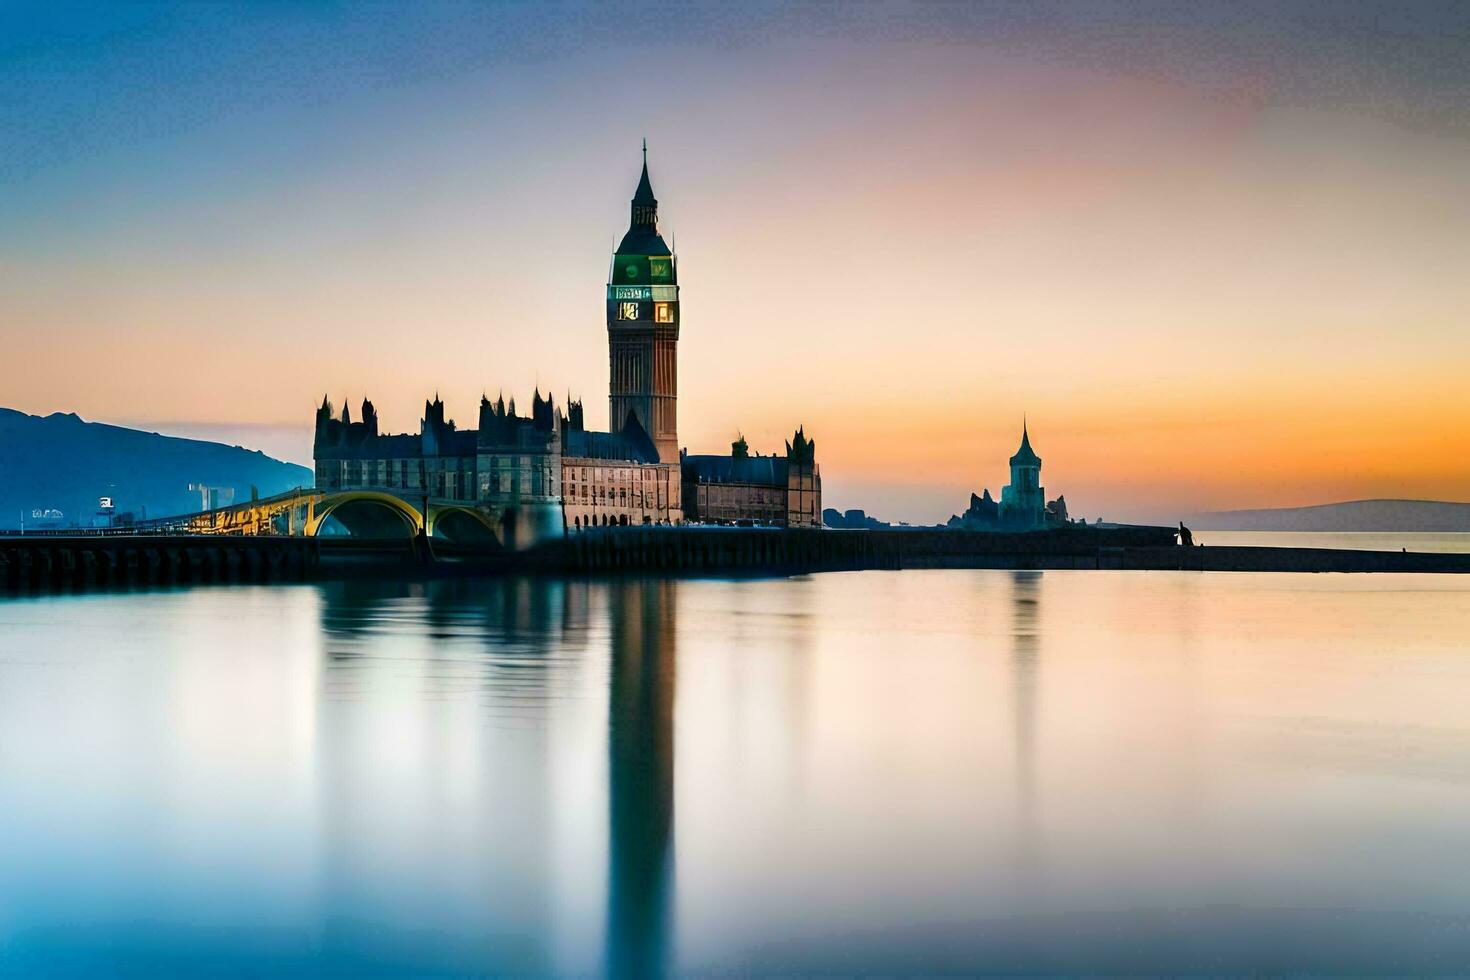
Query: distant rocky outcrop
[1354, 515]
[1056, 510]
[61, 463]
[982, 513]
[851, 520]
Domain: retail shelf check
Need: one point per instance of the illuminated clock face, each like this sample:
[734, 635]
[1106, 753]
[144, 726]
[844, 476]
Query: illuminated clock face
[627, 311]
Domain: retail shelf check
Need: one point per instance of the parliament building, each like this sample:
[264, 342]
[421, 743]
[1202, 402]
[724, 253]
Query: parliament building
[545, 474]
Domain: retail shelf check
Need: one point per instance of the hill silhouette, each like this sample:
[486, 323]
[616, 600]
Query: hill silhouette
[62, 462]
[1352, 515]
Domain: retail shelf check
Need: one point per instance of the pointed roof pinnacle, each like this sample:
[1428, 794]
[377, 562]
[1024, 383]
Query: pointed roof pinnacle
[1025, 455]
[644, 194]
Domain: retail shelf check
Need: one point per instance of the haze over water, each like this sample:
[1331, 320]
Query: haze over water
[919, 771]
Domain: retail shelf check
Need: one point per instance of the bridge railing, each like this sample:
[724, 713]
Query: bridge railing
[74, 532]
[174, 523]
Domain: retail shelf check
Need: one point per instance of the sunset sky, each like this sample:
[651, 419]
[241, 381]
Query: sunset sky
[1216, 258]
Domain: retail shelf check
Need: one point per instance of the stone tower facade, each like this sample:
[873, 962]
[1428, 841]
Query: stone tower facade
[1023, 502]
[643, 328]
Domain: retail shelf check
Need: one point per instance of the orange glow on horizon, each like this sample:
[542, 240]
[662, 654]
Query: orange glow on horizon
[1201, 298]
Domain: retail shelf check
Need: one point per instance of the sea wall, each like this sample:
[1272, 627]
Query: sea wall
[1138, 548]
[35, 562]
[704, 548]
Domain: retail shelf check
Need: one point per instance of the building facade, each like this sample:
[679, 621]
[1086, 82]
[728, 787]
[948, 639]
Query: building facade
[514, 470]
[782, 491]
[615, 478]
[508, 470]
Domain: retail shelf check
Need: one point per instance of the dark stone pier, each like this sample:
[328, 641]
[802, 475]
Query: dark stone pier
[55, 563]
[1139, 548]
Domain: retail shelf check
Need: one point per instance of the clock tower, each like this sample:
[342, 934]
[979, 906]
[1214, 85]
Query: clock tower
[643, 327]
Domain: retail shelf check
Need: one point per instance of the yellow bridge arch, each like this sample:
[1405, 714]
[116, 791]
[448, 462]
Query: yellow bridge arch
[457, 522]
[365, 513]
[329, 504]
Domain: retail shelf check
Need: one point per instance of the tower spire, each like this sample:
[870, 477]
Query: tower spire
[1025, 455]
[645, 205]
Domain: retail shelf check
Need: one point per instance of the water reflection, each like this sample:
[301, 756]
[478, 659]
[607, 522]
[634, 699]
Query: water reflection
[873, 773]
[515, 637]
[1025, 611]
[640, 777]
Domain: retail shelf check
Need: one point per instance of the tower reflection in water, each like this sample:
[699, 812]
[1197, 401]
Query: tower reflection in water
[640, 776]
[1025, 590]
[479, 702]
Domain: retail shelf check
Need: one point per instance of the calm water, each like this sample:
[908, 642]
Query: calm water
[947, 771]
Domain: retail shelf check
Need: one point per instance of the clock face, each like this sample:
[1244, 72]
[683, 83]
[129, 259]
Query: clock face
[631, 270]
[627, 311]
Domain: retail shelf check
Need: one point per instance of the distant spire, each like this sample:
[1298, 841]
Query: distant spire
[1025, 455]
[643, 197]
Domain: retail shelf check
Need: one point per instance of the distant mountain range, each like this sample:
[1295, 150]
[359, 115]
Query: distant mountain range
[1353, 515]
[62, 463]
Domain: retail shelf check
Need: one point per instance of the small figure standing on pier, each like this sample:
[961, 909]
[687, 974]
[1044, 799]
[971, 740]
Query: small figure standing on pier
[1186, 537]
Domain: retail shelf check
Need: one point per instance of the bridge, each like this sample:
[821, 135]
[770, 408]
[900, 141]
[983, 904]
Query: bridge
[372, 515]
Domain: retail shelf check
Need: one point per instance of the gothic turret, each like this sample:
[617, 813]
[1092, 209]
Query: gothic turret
[543, 413]
[369, 418]
[324, 413]
[326, 426]
[800, 449]
[1023, 502]
[434, 426]
[487, 414]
